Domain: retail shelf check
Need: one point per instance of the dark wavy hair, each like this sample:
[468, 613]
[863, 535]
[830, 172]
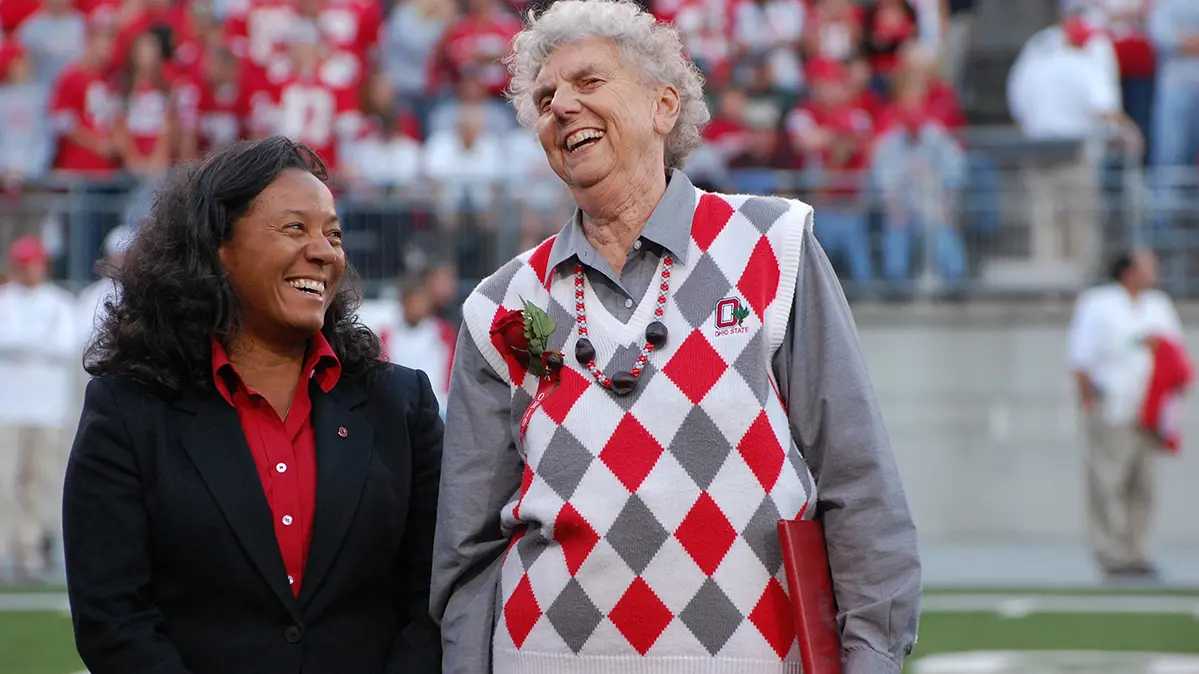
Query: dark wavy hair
[174, 292]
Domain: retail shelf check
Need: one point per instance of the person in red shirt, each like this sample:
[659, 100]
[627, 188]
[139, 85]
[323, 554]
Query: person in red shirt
[256, 31]
[210, 108]
[251, 488]
[727, 132]
[310, 97]
[84, 109]
[146, 127]
[349, 26]
[832, 30]
[475, 45]
[888, 25]
[917, 83]
[832, 132]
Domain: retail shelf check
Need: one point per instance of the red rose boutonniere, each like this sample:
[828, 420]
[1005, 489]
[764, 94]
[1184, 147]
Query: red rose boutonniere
[523, 335]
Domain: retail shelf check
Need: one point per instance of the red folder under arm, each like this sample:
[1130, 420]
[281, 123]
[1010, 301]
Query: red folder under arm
[810, 585]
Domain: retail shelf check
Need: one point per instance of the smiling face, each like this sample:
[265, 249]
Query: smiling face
[285, 259]
[598, 118]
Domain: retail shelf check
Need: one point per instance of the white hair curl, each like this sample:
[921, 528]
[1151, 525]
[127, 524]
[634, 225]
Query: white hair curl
[653, 47]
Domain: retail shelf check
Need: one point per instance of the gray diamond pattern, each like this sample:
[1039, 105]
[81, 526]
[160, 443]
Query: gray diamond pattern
[711, 617]
[696, 298]
[763, 211]
[564, 326]
[636, 535]
[520, 402]
[564, 462]
[800, 466]
[574, 616]
[496, 287]
[750, 364]
[761, 535]
[692, 447]
[530, 547]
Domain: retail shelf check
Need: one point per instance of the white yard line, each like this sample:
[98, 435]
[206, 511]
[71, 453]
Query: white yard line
[1017, 605]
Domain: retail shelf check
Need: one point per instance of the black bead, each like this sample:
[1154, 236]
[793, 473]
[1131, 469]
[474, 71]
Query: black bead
[623, 383]
[553, 361]
[584, 351]
[655, 333]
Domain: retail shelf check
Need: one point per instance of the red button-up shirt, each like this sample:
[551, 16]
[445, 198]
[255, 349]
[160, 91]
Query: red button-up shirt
[284, 450]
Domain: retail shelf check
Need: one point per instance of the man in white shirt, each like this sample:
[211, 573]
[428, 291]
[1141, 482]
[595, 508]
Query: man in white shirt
[1065, 85]
[37, 346]
[1112, 361]
[413, 335]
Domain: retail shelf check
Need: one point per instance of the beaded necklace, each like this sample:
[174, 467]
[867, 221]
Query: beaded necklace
[622, 383]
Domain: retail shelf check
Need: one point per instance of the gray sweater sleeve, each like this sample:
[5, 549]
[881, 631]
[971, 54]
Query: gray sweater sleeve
[836, 423]
[480, 474]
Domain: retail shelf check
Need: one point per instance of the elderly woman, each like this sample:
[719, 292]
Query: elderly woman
[636, 402]
[251, 490]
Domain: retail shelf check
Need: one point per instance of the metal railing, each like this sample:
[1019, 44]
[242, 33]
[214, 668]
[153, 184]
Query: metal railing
[1005, 216]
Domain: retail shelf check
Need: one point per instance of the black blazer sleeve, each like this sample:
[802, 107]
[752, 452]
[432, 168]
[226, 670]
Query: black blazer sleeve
[418, 647]
[106, 541]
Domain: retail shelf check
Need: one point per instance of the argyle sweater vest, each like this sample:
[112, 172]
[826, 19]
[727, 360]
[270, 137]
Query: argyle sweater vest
[644, 535]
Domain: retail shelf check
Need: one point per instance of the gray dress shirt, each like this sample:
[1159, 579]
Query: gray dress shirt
[834, 419]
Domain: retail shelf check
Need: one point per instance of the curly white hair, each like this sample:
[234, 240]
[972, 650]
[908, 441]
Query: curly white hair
[654, 47]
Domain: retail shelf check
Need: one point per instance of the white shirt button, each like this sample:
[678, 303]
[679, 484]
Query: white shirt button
[281, 467]
[628, 304]
[291, 581]
[287, 520]
[637, 244]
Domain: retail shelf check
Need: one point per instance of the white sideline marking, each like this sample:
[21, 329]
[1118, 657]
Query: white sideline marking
[1056, 662]
[1017, 606]
[34, 601]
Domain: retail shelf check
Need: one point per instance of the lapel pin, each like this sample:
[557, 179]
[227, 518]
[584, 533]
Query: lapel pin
[343, 432]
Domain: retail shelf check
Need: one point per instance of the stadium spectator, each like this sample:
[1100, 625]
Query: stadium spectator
[727, 133]
[54, 37]
[26, 138]
[833, 30]
[959, 31]
[887, 26]
[414, 336]
[84, 109]
[256, 31]
[309, 97]
[470, 93]
[916, 83]
[542, 201]
[465, 167]
[210, 107]
[1174, 27]
[1125, 23]
[408, 42]
[919, 168]
[1064, 86]
[766, 36]
[831, 133]
[474, 47]
[350, 28]
[755, 167]
[386, 153]
[146, 124]
[704, 27]
[37, 345]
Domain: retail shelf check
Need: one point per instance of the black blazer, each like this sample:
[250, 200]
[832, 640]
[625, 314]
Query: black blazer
[172, 562]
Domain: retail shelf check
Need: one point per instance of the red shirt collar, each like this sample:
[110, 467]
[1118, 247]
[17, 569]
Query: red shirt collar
[320, 361]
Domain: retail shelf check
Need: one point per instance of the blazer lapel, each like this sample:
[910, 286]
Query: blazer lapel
[344, 442]
[213, 438]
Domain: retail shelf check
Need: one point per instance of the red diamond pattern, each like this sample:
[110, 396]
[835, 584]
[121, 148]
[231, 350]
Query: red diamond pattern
[539, 261]
[760, 282]
[576, 537]
[706, 534]
[695, 367]
[711, 216]
[630, 453]
[762, 452]
[640, 616]
[772, 616]
[516, 371]
[521, 612]
[570, 388]
[526, 481]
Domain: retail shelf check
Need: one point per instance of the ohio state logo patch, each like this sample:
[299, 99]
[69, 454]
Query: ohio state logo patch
[729, 317]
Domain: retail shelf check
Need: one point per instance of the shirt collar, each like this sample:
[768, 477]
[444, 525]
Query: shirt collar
[669, 225]
[320, 361]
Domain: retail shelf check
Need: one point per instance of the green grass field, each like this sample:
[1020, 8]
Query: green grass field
[40, 642]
